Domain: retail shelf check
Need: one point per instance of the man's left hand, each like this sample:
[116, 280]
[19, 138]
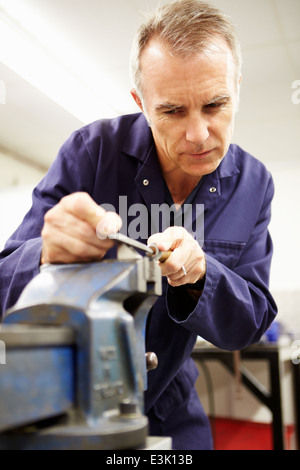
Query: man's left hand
[186, 264]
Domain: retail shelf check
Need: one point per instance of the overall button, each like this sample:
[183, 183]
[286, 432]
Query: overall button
[213, 190]
[146, 182]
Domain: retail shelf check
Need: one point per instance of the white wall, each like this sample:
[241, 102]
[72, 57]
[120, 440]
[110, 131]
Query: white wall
[14, 203]
[16, 183]
[285, 226]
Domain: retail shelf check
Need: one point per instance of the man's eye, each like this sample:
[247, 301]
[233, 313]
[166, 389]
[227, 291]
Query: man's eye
[173, 111]
[215, 105]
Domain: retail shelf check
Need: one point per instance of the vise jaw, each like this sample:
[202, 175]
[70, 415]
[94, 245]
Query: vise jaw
[79, 382]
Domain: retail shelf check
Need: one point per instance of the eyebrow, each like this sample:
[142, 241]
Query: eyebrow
[167, 106]
[219, 98]
[171, 106]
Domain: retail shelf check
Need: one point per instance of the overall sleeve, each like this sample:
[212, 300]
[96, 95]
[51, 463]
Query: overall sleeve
[20, 259]
[236, 307]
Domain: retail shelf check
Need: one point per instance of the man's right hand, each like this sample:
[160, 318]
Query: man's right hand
[76, 229]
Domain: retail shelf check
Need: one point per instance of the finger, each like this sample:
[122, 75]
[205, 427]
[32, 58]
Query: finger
[62, 247]
[187, 265]
[169, 239]
[82, 206]
[109, 223]
[60, 220]
[181, 272]
[160, 241]
[179, 257]
[192, 272]
[67, 238]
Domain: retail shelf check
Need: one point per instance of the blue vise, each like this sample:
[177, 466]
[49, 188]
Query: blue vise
[75, 367]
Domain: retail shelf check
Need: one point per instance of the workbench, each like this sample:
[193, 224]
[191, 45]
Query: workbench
[275, 356]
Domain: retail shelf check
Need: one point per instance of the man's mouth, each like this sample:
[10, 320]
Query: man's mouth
[199, 155]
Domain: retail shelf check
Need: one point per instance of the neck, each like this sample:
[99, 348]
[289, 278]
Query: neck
[181, 187]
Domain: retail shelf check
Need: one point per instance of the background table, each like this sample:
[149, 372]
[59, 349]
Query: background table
[274, 355]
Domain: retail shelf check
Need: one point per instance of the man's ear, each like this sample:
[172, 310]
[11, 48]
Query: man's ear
[137, 99]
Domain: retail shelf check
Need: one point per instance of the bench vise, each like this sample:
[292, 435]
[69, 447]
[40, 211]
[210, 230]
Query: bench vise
[75, 371]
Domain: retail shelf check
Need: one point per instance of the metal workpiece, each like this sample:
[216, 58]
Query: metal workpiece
[122, 239]
[150, 250]
[97, 367]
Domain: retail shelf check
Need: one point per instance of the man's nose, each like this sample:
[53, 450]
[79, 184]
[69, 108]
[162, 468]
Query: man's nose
[197, 129]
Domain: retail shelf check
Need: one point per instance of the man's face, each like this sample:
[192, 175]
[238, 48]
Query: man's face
[190, 106]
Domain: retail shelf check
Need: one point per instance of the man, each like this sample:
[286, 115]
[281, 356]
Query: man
[186, 68]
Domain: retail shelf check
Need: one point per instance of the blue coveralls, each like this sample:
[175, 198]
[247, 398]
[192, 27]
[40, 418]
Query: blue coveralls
[112, 158]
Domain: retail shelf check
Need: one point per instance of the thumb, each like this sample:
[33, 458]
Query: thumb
[104, 222]
[108, 223]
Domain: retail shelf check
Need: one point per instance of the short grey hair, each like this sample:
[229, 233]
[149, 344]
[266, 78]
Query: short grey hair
[187, 27]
